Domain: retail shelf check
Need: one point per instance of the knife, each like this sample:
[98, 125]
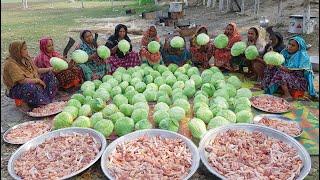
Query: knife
[68, 47]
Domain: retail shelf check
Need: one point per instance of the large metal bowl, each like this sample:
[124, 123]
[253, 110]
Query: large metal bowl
[40, 139]
[210, 135]
[151, 133]
[271, 96]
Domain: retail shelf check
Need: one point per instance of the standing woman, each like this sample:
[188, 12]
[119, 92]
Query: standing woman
[222, 57]
[24, 80]
[295, 74]
[95, 67]
[68, 78]
[201, 54]
[118, 58]
[146, 56]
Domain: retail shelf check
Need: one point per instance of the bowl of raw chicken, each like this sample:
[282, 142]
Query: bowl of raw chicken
[59, 154]
[150, 154]
[250, 151]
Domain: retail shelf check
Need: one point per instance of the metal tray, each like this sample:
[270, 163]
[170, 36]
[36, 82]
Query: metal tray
[151, 133]
[277, 117]
[261, 109]
[19, 125]
[40, 139]
[304, 155]
[49, 114]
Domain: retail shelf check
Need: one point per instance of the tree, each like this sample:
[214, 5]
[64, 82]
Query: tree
[25, 4]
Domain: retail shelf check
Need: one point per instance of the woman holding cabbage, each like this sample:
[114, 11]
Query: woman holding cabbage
[201, 48]
[26, 82]
[121, 49]
[175, 51]
[150, 46]
[294, 75]
[222, 57]
[70, 77]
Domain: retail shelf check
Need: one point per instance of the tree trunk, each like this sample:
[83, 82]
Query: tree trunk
[221, 5]
[280, 8]
[82, 5]
[242, 7]
[25, 4]
[186, 4]
[306, 17]
[156, 2]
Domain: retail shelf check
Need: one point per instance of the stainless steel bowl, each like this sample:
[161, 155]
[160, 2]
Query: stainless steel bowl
[151, 133]
[277, 117]
[40, 139]
[210, 135]
[271, 96]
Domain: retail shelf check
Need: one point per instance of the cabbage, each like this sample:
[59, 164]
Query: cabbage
[155, 74]
[87, 100]
[79, 56]
[180, 70]
[207, 76]
[214, 69]
[177, 113]
[177, 91]
[169, 124]
[165, 99]
[161, 106]
[202, 39]
[78, 97]
[273, 58]
[138, 98]
[74, 102]
[238, 48]
[228, 114]
[71, 110]
[178, 84]
[204, 114]
[103, 52]
[97, 83]
[116, 116]
[126, 77]
[201, 98]
[105, 86]
[198, 105]
[193, 71]
[105, 78]
[235, 81]
[217, 122]
[58, 64]
[129, 95]
[139, 114]
[189, 91]
[244, 116]
[113, 82]
[95, 118]
[182, 77]
[183, 104]
[124, 46]
[215, 109]
[103, 94]
[177, 42]
[221, 92]
[151, 95]
[121, 69]
[141, 105]
[124, 126]
[136, 75]
[88, 86]
[126, 109]
[120, 99]
[220, 102]
[162, 68]
[197, 80]
[244, 92]
[118, 76]
[197, 128]
[62, 120]
[82, 121]
[148, 79]
[105, 127]
[140, 87]
[232, 91]
[152, 86]
[219, 84]
[217, 76]
[89, 93]
[159, 81]
[170, 80]
[85, 110]
[129, 88]
[178, 96]
[159, 115]
[241, 107]
[243, 100]
[147, 70]
[123, 85]
[186, 66]
[251, 52]
[208, 89]
[165, 88]
[115, 91]
[201, 93]
[97, 104]
[173, 67]
[221, 41]
[109, 110]
[143, 124]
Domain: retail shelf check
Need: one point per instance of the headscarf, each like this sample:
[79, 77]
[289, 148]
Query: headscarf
[113, 40]
[85, 46]
[300, 60]
[261, 39]
[15, 54]
[194, 37]
[43, 58]
[280, 45]
[147, 37]
[235, 36]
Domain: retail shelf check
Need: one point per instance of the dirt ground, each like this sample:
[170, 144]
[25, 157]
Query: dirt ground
[215, 21]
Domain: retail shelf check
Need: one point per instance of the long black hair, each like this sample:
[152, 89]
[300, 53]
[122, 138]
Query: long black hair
[113, 40]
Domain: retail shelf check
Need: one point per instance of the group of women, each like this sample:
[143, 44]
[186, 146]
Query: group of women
[36, 83]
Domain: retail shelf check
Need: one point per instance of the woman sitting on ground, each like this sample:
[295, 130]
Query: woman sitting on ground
[71, 77]
[222, 57]
[178, 56]
[275, 41]
[24, 81]
[200, 55]
[146, 56]
[295, 74]
[95, 67]
[118, 58]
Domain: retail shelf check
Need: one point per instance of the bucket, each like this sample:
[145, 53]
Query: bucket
[296, 24]
[175, 7]
[315, 63]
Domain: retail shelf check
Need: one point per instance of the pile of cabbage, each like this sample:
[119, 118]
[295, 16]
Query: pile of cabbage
[119, 103]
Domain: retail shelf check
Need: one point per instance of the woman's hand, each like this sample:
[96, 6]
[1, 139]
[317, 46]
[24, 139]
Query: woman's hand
[114, 49]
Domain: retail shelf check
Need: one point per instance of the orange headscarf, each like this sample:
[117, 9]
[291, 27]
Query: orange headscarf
[235, 36]
[147, 37]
